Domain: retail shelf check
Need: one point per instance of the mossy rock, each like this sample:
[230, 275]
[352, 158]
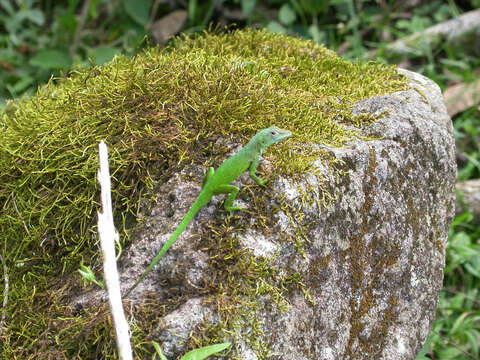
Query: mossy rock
[158, 112]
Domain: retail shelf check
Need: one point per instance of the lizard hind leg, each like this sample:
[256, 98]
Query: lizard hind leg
[232, 192]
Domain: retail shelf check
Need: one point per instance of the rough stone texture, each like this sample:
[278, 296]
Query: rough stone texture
[375, 257]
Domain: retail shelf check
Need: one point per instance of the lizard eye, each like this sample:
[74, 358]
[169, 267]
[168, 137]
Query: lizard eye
[273, 133]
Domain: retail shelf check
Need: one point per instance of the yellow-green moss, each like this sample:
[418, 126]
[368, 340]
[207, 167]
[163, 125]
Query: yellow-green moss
[157, 112]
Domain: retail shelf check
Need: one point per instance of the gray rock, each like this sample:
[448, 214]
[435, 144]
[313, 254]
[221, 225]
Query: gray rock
[370, 271]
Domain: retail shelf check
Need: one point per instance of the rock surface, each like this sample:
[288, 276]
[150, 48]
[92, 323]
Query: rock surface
[371, 270]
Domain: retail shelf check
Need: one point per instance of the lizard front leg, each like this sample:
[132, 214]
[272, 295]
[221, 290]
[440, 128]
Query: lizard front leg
[253, 171]
[232, 192]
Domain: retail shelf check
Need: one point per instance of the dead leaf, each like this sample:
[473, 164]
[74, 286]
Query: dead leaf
[461, 97]
[167, 26]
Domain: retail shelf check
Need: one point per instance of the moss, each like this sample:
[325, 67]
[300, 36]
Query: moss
[158, 112]
[370, 263]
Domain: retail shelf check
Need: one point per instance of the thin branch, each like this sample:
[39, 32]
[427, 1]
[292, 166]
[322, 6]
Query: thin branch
[450, 31]
[446, 341]
[80, 25]
[108, 234]
[5, 294]
[20, 216]
[153, 14]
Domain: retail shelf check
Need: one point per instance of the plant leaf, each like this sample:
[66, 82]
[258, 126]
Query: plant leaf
[248, 6]
[158, 350]
[51, 59]
[35, 16]
[138, 10]
[287, 15]
[204, 352]
[102, 54]
[276, 27]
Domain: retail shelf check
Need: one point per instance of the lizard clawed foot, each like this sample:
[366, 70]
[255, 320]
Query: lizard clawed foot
[231, 209]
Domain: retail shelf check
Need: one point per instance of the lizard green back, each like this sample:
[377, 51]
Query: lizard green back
[218, 182]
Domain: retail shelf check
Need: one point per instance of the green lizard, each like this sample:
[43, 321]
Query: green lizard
[218, 182]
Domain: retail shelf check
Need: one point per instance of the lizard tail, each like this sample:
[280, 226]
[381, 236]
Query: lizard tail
[201, 201]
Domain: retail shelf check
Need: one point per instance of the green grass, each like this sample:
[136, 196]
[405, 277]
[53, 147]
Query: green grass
[456, 331]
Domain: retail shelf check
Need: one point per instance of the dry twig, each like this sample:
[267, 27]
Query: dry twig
[451, 31]
[462, 96]
[108, 234]
[20, 216]
[80, 25]
[5, 294]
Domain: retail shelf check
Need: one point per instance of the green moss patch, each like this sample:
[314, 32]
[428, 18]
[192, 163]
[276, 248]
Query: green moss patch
[157, 112]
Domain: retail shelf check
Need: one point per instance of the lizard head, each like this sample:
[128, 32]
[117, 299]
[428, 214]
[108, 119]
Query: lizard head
[273, 135]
